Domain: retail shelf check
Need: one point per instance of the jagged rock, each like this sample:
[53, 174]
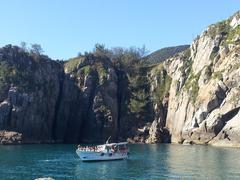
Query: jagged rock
[187, 142]
[140, 135]
[204, 77]
[202, 50]
[154, 133]
[223, 51]
[229, 134]
[157, 132]
[144, 130]
[235, 20]
[10, 137]
[202, 121]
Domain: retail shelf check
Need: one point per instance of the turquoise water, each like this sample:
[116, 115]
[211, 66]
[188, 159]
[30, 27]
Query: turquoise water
[145, 162]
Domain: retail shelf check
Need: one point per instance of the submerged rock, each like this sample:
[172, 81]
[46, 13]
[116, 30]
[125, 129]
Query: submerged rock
[187, 142]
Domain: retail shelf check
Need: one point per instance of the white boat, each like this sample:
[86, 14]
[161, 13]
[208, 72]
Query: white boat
[105, 152]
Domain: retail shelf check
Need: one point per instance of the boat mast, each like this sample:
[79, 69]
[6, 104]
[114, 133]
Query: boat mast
[108, 139]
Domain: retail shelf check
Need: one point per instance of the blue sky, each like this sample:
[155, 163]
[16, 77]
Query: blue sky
[66, 27]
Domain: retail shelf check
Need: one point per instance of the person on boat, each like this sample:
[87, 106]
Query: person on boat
[115, 149]
[107, 147]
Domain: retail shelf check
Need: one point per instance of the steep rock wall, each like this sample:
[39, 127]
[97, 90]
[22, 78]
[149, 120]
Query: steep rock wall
[203, 96]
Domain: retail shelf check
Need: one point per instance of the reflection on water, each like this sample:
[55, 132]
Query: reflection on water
[145, 162]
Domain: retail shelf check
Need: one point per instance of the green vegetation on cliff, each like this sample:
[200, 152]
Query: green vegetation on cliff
[191, 85]
[22, 69]
[162, 90]
[138, 84]
[217, 75]
[222, 28]
[229, 35]
[86, 69]
[72, 64]
[138, 102]
[162, 82]
[234, 34]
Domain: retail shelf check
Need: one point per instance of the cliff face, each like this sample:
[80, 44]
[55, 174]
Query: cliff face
[191, 97]
[49, 101]
[96, 82]
[203, 101]
[29, 88]
[46, 104]
[195, 93]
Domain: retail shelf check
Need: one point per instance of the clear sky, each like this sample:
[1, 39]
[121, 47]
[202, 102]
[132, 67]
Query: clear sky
[66, 27]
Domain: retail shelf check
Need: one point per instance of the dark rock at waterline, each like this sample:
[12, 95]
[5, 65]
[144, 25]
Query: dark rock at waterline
[10, 137]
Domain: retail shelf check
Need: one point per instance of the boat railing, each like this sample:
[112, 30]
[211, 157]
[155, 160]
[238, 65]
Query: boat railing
[89, 148]
[109, 148]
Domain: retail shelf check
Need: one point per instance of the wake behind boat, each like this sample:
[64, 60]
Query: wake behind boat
[105, 152]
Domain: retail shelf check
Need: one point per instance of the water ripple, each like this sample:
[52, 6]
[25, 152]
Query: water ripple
[146, 162]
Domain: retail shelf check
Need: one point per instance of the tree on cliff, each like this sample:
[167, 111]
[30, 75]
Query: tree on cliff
[128, 57]
[101, 50]
[23, 46]
[36, 49]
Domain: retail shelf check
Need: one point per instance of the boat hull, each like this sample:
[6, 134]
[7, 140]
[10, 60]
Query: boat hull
[99, 156]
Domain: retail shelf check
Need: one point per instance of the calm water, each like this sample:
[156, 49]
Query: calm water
[145, 162]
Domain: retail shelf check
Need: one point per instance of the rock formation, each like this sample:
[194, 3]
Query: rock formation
[203, 101]
[191, 97]
[9, 137]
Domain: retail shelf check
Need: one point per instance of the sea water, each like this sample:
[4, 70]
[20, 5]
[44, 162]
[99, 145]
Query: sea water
[162, 161]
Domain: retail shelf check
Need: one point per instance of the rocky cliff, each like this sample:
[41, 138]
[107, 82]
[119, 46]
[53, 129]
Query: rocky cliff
[30, 90]
[191, 97]
[203, 106]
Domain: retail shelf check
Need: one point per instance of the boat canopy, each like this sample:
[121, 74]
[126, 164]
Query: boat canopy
[116, 144]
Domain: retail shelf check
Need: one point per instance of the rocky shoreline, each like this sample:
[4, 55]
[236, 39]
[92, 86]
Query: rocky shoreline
[14, 138]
